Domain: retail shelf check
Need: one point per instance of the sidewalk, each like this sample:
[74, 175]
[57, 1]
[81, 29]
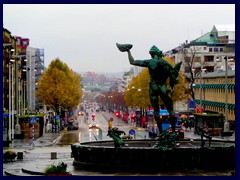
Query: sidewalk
[47, 139]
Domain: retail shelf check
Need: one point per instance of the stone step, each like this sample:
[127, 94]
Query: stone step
[19, 172]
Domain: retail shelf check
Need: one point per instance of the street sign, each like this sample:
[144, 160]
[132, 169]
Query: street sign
[131, 132]
[33, 120]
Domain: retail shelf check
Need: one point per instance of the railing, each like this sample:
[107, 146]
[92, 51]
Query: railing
[203, 134]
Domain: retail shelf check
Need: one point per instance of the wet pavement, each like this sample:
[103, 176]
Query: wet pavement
[36, 157]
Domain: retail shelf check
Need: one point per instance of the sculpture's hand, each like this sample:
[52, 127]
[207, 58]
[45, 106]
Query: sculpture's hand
[124, 47]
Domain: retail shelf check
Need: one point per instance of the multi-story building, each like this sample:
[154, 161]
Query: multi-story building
[212, 52]
[9, 87]
[34, 69]
[126, 80]
[207, 52]
[211, 93]
[21, 46]
[14, 56]
[19, 82]
[9, 46]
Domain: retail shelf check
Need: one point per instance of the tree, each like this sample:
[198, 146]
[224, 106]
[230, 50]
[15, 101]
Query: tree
[189, 56]
[59, 86]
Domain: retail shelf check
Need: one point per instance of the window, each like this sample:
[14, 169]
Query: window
[197, 59]
[24, 43]
[221, 50]
[218, 59]
[187, 70]
[209, 59]
[210, 49]
[215, 49]
[230, 58]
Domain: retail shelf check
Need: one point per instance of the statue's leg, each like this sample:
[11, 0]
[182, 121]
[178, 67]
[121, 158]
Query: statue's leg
[169, 106]
[154, 102]
[154, 93]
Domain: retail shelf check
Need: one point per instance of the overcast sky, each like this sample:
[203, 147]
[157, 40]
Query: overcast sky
[84, 36]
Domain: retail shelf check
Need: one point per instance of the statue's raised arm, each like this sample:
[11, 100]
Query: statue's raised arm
[132, 61]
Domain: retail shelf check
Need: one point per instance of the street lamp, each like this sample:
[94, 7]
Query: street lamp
[17, 104]
[200, 89]
[226, 127]
[10, 113]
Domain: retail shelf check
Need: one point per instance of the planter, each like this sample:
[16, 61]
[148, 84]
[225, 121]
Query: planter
[9, 155]
[59, 170]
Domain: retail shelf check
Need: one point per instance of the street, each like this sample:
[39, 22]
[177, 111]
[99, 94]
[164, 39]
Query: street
[38, 157]
[84, 134]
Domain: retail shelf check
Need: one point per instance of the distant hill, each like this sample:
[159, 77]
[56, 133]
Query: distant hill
[108, 75]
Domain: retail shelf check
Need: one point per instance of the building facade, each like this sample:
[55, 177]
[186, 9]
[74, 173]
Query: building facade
[212, 52]
[213, 95]
[34, 71]
[17, 78]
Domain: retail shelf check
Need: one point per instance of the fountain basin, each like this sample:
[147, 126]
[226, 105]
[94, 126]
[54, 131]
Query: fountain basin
[141, 156]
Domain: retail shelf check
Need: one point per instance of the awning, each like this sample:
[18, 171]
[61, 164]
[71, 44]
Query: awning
[231, 86]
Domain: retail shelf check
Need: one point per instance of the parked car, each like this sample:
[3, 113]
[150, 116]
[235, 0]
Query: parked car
[178, 130]
[72, 125]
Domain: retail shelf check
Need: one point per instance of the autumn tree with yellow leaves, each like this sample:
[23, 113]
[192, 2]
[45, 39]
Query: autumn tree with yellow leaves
[59, 86]
[137, 93]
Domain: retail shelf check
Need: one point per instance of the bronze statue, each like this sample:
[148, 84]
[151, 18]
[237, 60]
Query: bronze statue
[115, 133]
[159, 71]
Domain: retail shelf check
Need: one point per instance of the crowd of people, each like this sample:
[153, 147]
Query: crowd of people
[186, 121]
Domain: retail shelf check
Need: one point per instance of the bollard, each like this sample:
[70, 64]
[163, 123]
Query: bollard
[53, 155]
[20, 155]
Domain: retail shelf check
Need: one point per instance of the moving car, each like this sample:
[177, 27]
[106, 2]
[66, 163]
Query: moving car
[80, 113]
[178, 130]
[93, 125]
[72, 125]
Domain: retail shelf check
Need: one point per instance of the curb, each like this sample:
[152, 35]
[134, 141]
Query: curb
[59, 137]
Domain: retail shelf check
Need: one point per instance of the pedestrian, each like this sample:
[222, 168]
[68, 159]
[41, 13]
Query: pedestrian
[190, 124]
[186, 125]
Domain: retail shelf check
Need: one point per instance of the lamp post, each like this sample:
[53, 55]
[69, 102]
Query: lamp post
[10, 104]
[12, 112]
[17, 126]
[226, 127]
[200, 89]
